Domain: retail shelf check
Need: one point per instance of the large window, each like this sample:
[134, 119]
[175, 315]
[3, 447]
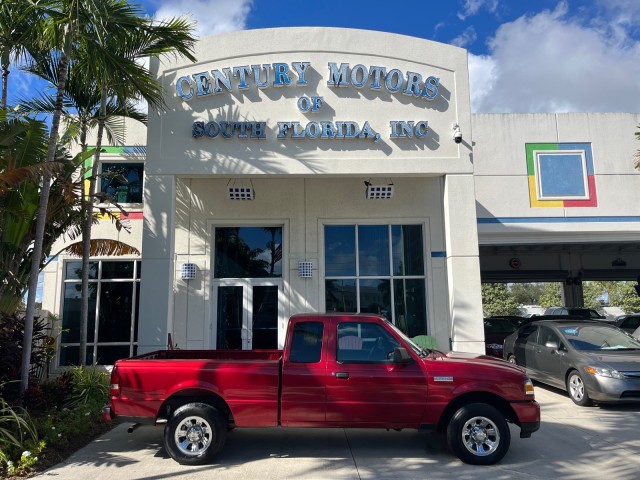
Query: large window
[122, 181]
[377, 269]
[248, 252]
[112, 330]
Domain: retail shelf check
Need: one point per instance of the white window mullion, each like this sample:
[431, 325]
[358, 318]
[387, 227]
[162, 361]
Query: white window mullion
[357, 254]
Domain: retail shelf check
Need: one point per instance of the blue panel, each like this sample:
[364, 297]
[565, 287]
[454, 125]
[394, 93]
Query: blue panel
[612, 219]
[586, 147]
[561, 175]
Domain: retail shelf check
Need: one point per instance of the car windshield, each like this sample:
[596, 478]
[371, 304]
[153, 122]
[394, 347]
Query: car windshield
[585, 312]
[417, 349]
[498, 325]
[598, 337]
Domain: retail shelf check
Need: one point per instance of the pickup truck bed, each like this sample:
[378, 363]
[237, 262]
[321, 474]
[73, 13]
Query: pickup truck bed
[247, 380]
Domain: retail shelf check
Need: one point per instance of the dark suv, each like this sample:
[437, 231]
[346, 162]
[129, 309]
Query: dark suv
[575, 312]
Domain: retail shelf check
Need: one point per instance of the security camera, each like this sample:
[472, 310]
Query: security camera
[457, 134]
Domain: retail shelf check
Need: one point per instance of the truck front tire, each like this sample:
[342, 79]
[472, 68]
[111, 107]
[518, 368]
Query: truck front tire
[194, 434]
[478, 434]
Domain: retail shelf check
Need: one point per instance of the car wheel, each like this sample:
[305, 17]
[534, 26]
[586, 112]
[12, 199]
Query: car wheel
[195, 433]
[478, 434]
[577, 390]
[512, 359]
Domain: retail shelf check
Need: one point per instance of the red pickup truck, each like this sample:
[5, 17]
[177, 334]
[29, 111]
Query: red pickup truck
[336, 370]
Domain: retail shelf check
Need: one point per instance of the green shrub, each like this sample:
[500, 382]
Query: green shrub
[49, 394]
[89, 385]
[19, 445]
[11, 336]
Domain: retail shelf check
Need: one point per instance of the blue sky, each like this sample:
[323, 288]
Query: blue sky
[524, 55]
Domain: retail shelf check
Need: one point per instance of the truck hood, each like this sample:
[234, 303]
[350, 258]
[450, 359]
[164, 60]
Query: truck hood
[480, 360]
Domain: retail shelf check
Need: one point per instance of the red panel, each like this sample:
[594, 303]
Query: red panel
[593, 200]
[132, 216]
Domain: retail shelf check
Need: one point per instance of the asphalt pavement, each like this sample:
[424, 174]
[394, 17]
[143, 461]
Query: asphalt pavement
[572, 443]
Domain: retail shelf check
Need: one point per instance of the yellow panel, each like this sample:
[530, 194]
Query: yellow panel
[533, 197]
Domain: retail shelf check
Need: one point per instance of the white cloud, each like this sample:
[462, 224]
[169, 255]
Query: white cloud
[212, 17]
[472, 7]
[21, 85]
[467, 37]
[551, 63]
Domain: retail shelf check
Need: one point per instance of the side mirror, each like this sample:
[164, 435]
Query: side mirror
[553, 345]
[401, 356]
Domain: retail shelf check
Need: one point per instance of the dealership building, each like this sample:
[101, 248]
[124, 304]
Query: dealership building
[333, 170]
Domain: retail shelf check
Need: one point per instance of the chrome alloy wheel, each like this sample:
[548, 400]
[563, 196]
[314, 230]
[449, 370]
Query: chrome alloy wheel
[480, 436]
[193, 436]
[576, 388]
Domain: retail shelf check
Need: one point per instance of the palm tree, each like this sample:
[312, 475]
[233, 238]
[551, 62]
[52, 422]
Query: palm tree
[73, 28]
[23, 144]
[81, 107]
[120, 76]
[17, 28]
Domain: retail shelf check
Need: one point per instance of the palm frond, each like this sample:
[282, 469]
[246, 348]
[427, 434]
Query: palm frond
[11, 178]
[102, 248]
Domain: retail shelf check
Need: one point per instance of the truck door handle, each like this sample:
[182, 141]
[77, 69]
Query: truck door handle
[341, 375]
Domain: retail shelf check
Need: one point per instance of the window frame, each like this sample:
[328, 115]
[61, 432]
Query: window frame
[94, 344]
[391, 277]
[123, 161]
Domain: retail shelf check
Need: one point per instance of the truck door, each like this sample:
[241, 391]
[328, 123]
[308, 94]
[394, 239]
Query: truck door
[364, 386]
[303, 376]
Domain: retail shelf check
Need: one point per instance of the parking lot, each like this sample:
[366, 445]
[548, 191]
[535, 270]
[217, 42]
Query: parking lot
[572, 443]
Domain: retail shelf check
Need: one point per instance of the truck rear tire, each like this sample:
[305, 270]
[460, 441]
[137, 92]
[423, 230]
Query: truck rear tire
[195, 433]
[478, 434]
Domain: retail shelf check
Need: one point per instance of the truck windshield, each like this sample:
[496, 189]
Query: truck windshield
[418, 350]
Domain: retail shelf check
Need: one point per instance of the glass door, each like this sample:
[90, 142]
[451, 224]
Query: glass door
[247, 314]
[247, 287]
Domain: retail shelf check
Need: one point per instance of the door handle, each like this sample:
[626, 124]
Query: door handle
[341, 374]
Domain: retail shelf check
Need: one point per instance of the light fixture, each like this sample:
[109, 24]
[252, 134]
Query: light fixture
[457, 134]
[377, 192]
[305, 269]
[618, 262]
[240, 192]
[188, 271]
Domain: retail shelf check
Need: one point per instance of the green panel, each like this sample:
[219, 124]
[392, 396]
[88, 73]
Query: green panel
[530, 147]
[109, 149]
[88, 163]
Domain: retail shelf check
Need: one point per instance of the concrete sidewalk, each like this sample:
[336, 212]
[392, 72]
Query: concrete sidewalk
[573, 443]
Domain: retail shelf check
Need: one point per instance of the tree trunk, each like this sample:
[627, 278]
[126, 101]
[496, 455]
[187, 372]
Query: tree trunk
[5, 80]
[41, 220]
[86, 234]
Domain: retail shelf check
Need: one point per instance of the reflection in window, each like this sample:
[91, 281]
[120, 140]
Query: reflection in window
[122, 181]
[112, 328]
[306, 344]
[340, 250]
[377, 269]
[248, 252]
[364, 342]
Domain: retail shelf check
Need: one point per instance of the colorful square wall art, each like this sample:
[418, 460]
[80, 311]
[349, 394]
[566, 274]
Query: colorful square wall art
[561, 175]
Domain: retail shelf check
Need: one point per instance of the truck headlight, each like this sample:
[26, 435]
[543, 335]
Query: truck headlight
[604, 372]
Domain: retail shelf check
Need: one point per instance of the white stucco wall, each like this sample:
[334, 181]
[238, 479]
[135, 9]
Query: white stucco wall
[501, 179]
[300, 183]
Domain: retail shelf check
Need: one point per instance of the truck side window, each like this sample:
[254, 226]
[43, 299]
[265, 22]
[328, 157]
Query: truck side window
[364, 342]
[306, 344]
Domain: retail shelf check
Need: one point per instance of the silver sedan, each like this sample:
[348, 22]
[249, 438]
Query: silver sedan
[592, 361]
